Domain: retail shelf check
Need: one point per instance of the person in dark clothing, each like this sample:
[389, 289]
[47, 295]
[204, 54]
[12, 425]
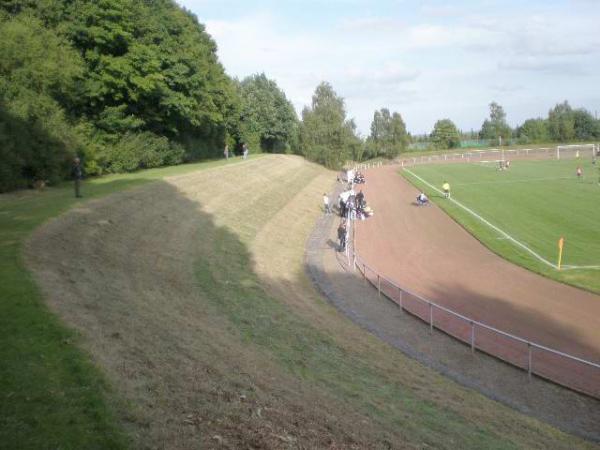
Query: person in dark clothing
[77, 173]
[341, 232]
[360, 197]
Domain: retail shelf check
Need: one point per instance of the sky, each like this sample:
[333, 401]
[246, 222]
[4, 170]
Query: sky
[426, 59]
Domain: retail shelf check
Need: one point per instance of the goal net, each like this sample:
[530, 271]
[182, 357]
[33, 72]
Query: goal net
[576, 151]
[496, 164]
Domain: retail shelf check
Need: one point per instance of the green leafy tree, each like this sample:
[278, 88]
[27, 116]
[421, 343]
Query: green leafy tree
[495, 128]
[533, 131]
[561, 122]
[267, 117]
[325, 136]
[38, 71]
[148, 69]
[388, 135]
[445, 134]
[586, 127]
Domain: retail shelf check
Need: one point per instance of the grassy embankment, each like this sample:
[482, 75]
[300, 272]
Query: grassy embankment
[51, 395]
[250, 270]
[535, 202]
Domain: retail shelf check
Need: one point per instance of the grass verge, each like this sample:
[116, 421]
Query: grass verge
[51, 394]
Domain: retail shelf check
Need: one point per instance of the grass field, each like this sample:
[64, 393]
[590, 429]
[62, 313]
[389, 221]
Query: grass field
[527, 209]
[225, 342]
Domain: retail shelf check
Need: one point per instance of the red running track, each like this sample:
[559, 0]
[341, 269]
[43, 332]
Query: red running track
[423, 250]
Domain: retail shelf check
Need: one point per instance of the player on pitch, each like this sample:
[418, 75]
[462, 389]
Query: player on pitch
[446, 189]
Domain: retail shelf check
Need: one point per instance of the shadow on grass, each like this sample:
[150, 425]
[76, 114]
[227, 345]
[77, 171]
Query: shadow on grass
[193, 355]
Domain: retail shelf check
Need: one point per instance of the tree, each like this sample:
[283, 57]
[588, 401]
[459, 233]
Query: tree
[148, 68]
[38, 71]
[325, 136]
[267, 117]
[533, 131]
[388, 135]
[445, 134]
[561, 122]
[496, 128]
[586, 127]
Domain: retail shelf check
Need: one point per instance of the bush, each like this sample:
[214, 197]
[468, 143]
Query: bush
[141, 151]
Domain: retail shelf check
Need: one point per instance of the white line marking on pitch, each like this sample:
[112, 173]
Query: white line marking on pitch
[494, 227]
[504, 234]
[514, 181]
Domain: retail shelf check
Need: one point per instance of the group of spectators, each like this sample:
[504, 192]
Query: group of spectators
[227, 153]
[351, 205]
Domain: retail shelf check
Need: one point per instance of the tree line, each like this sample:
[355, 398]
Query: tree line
[125, 85]
[132, 84]
[563, 124]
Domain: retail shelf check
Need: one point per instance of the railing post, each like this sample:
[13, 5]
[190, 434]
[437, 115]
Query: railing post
[378, 285]
[400, 298]
[472, 337]
[430, 317]
[529, 362]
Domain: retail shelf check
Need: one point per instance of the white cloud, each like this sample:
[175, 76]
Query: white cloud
[433, 62]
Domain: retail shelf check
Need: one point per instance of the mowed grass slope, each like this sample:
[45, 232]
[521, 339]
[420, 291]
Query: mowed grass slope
[534, 202]
[213, 336]
[51, 395]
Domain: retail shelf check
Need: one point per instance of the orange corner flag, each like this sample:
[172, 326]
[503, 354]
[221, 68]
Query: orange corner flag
[561, 243]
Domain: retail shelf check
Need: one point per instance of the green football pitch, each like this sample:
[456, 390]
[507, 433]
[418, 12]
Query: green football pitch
[522, 212]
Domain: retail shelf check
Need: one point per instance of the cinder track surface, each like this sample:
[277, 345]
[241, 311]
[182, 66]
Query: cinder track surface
[424, 250]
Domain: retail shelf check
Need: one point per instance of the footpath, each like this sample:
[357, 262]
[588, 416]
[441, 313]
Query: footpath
[348, 292]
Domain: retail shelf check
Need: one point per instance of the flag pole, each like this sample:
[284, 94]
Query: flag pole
[561, 243]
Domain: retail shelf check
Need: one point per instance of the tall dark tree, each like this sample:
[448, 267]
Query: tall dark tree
[388, 134]
[326, 136]
[267, 117]
[38, 70]
[533, 131]
[495, 128]
[445, 134]
[561, 122]
[148, 71]
[586, 126]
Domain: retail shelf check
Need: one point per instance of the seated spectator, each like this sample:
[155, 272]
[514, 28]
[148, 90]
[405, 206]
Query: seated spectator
[422, 199]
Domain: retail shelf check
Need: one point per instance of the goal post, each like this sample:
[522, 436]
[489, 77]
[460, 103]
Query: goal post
[576, 151]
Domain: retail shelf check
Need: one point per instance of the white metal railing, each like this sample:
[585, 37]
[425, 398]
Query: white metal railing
[590, 386]
[493, 154]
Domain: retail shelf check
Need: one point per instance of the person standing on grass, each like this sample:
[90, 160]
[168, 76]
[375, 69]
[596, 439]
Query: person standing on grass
[226, 151]
[579, 172]
[326, 205]
[77, 173]
[244, 151]
[446, 189]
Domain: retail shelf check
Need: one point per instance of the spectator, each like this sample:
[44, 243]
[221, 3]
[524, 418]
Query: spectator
[341, 232]
[326, 205]
[77, 173]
